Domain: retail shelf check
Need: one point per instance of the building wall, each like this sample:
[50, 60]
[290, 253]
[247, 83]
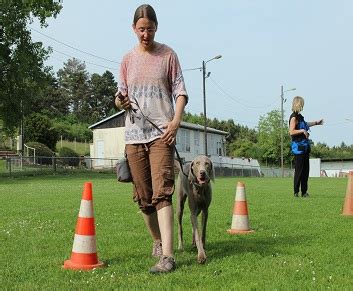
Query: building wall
[190, 143]
[335, 168]
[108, 143]
[315, 168]
[108, 146]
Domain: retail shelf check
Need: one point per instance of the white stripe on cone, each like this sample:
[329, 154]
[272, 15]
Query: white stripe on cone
[86, 209]
[240, 222]
[240, 194]
[84, 244]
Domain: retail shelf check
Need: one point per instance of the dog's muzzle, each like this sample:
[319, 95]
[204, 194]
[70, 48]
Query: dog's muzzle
[202, 178]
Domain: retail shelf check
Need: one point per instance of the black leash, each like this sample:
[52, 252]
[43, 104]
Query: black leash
[159, 130]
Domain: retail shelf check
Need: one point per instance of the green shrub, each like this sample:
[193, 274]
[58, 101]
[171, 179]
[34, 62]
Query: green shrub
[70, 157]
[39, 128]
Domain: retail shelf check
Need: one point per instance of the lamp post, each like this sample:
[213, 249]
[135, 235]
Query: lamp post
[204, 76]
[282, 101]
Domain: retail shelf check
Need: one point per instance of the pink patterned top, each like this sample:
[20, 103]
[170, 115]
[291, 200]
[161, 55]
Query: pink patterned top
[154, 80]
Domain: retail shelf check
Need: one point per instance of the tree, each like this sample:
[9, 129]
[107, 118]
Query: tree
[51, 102]
[238, 134]
[320, 150]
[68, 127]
[74, 87]
[21, 59]
[101, 101]
[39, 128]
[193, 118]
[243, 147]
[269, 140]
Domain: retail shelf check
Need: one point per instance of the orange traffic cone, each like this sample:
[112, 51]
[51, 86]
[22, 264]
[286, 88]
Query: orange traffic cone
[84, 250]
[240, 221]
[348, 202]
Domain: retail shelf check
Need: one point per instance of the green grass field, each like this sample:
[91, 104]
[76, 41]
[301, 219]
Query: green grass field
[298, 244]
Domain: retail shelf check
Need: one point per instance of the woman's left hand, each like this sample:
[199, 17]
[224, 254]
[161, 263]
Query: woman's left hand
[169, 135]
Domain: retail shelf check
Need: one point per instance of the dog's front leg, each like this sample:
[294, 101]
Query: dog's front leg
[201, 255]
[204, 225]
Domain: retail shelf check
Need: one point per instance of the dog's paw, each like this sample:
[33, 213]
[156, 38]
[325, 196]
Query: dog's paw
[201, 258]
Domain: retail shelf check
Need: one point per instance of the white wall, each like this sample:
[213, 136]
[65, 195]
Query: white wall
[113, 142]
[315, 167]
[112, 145]
[336, 168]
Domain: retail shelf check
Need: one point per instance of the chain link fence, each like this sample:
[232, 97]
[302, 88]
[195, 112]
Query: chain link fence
[29, 165]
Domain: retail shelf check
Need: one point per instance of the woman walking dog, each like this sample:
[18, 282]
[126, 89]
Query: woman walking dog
[150, 82]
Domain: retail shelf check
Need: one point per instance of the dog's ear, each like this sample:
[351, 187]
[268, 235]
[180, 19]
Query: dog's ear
[212, 173]
[191, 175]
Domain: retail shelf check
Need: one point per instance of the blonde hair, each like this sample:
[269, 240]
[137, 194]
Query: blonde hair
[297, 104]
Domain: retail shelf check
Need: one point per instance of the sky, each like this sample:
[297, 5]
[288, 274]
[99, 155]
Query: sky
[302, 44]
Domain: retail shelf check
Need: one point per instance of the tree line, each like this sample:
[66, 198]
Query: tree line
[32, 94]
[264, 142]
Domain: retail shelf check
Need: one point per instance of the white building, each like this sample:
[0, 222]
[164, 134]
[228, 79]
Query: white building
[108, 144]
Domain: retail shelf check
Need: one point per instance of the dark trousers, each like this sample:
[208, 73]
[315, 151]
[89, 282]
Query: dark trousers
[301, 174]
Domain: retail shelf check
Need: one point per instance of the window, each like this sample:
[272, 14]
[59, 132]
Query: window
[197, 142]
[212, 144]
[183, 140]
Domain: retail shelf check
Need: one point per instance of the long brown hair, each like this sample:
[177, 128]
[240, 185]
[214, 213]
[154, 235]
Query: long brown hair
[145, 11]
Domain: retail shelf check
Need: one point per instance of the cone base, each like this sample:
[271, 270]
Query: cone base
[68, 264]
[348, 207]
[239, 231]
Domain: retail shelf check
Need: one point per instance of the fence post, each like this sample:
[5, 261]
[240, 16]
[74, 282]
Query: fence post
[54, 163]
[9, 165]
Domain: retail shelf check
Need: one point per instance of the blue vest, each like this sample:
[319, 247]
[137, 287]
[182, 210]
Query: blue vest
[300, 144]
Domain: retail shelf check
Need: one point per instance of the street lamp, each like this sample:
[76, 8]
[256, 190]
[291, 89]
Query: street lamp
[282, 101]
[204, 76]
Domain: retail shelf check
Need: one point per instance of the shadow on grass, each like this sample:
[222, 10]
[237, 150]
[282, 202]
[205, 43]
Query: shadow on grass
[237, 245]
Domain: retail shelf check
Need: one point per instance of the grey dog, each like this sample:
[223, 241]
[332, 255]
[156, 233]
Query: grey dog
[194, 183]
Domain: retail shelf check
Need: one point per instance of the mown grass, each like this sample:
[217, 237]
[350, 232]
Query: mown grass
[297, 243]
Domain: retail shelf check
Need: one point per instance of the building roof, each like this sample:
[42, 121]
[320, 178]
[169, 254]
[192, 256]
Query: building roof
[201, 128]
[93, 126]
[182, 125]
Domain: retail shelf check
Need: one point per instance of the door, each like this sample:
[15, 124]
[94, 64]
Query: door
[100, 153]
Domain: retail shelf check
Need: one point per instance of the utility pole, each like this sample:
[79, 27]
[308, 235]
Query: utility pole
[204, 104]
[282, 101]
[204, 76]
[282, 113]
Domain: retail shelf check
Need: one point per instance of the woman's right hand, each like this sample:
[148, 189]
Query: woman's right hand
[122, 102]
[306, 133]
